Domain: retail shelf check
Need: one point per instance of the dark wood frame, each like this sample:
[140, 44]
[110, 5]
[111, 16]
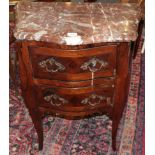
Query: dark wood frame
[137, 42]
[121, 86]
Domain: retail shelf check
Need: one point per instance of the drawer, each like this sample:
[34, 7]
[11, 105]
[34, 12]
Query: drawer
[49, 63]
[75, 99]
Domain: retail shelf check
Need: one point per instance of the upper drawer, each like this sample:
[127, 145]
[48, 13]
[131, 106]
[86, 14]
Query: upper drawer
[49, 63]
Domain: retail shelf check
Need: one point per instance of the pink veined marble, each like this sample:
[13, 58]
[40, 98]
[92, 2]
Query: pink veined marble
[93, 22]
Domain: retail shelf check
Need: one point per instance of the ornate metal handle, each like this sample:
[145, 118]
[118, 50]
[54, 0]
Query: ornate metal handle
[94, 65]
[51, 65]
[94, 99]
[55, 100]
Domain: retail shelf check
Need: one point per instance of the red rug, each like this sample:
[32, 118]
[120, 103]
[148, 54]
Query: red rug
[139, 140]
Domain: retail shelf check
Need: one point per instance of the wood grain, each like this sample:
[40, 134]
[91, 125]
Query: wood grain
[75, 93]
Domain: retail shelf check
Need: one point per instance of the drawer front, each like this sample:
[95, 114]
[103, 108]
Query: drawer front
[56, 64]
[75, 99]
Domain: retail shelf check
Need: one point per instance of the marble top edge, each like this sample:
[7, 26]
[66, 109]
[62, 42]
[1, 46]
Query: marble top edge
[92, 22]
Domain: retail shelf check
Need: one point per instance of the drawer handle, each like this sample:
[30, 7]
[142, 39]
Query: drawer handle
[55, 100]
[94, 65]
[94, 99]
[51, 65]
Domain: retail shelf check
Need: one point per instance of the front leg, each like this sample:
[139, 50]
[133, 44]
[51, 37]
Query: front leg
[35, 114]
[119, 104]
[37, 121]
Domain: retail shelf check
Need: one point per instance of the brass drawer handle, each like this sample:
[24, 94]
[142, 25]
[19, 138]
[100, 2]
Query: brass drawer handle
[55, 100]
[51, 65]
[94, 100]
[94, 65]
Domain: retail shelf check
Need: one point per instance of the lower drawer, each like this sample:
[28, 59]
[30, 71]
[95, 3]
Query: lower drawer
[75, 99]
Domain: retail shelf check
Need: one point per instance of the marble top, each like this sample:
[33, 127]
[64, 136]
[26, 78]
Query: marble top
[77, 23]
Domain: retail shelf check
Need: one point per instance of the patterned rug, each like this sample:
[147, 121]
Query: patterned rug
[139, 140]
[79, 137]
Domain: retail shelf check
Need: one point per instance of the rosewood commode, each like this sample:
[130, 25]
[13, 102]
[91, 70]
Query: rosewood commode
[75, 81]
